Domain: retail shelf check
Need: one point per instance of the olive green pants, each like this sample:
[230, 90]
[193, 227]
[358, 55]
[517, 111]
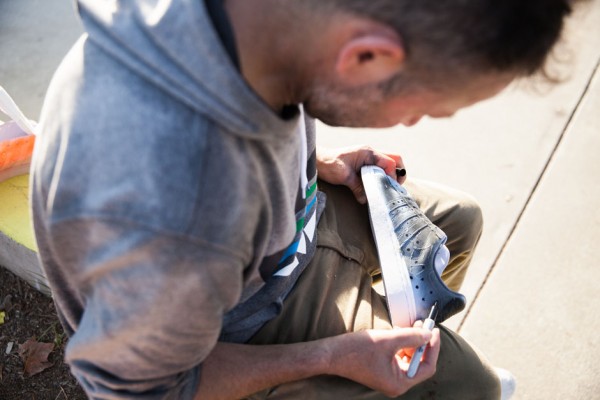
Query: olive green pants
[335, 295]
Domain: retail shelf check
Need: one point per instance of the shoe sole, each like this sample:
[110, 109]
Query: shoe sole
[396, 279]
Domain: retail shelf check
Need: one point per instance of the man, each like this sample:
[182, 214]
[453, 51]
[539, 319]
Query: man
[175, 193]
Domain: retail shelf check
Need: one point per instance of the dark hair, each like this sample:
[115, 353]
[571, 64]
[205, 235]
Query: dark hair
[459, 38]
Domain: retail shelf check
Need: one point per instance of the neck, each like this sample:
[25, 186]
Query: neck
[271, 56]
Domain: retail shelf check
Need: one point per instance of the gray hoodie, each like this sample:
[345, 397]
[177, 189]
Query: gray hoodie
[172, 207]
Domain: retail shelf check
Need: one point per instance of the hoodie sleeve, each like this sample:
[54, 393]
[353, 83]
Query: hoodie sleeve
[152, 307]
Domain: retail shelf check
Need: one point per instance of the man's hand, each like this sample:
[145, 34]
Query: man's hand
[375, 358]
[380, 359]
[342, 167]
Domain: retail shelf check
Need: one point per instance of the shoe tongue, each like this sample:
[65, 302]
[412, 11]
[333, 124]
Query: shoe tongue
[442, 256]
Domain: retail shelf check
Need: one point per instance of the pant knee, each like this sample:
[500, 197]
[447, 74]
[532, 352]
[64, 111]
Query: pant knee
[464, 225]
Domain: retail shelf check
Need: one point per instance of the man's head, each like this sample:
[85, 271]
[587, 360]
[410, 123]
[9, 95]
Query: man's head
[398, 60]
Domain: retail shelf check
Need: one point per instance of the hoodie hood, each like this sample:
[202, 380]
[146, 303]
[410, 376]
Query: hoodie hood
[193, 68]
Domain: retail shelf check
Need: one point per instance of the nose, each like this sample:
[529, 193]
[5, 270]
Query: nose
[443, 115]
[412, 121]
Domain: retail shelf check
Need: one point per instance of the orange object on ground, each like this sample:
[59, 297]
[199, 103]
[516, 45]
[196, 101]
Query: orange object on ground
[15, 156]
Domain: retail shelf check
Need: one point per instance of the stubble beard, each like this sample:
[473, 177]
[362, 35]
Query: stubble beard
[347, 107]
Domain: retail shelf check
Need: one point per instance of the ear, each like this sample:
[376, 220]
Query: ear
[369, 58]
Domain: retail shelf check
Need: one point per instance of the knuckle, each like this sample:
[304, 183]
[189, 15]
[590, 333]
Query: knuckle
[367, 149]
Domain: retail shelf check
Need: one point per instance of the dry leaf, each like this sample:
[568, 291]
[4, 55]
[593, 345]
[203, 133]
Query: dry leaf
[2, 315]
[35, 356]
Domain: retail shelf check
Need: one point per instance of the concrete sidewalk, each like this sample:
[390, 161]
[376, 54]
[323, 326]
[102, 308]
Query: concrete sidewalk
[528, 157]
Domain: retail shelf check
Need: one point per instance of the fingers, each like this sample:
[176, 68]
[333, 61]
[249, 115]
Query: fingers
[418, 324]
[343, 167]
[377, 360]
[410, 338]
[409, 351]
[392, 164]
[358, 190]
[428, 364]
[368, 156]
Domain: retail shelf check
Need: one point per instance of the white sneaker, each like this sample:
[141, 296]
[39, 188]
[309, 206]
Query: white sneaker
[508, 383]
[412, 252]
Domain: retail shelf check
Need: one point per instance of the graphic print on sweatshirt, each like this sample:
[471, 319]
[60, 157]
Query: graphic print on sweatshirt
[285, 262]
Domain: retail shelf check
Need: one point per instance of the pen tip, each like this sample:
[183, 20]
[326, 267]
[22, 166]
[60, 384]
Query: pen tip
[433, 312]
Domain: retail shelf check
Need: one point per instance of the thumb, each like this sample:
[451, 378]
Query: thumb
[355, 184]
[410, 337]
